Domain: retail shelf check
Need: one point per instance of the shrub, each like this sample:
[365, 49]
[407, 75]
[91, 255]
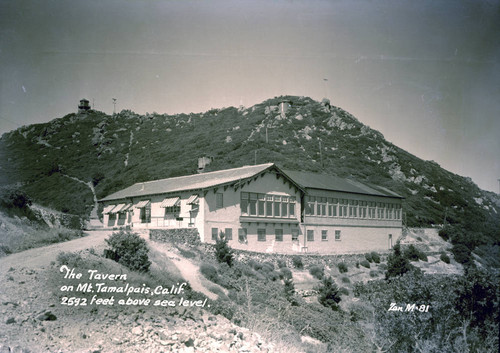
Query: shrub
[368, 257]
[329, 294]
[414, 254]
[210, 272]
[297, 262]
[344, 291]
[342, 267]
[375, 256]
[397, 264]
[346, 280]
[70, 259]
[286, 273]
[267, 267]
[317, 271]
[223, 253]
[281, 263]
[373, 273]
[445, 233]
[289, 291]
[461, 253]
[357, 264]
[445, 258]
[365, 263]
[129, 249]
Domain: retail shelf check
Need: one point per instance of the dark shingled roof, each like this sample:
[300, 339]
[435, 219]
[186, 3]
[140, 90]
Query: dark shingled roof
[189, 182]
[204, 181]
[334, 183]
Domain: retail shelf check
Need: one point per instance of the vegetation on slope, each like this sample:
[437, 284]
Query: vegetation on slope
[116, 151]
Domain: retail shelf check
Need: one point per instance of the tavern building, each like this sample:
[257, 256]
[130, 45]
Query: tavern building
[266, 209]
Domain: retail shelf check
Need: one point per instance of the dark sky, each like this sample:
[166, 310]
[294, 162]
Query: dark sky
[424, 73]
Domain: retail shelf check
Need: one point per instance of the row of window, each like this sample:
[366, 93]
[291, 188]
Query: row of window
[267, 205]
[278, 234]
[332, 207]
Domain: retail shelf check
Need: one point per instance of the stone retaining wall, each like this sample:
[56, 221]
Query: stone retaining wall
[188, 236]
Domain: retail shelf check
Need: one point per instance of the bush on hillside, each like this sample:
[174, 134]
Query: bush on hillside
[281, 263]
[209, 271]
[462, 254]
[397, 263]
[342, 266]
[297, 262]
[365, 263]
[317, 271]
[375, 257]
[328, 294]
[129, 249]
[286, 273]
[368, 257]
[414, 254]
[223, 252]
[289, 291]
[445, 258]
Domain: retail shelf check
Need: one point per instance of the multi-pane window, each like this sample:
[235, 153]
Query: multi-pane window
[362, 209]
[324, 235]
[228, 233]
[343, 208]
[269, 205]
[242, 235]
[244, 203]
[261, 234]
[337, 235]
[265, 205]
[279, 234]
[353, 208]
[310, 203]
[284, 206]
[173, 210]
[310, 235]
[321, 206]
[219, 200]
[295, 234]
[261, 204]
[214, 233]
[277, 206]
[291, 206]
[145, 214]
[332, 207]
[253, 204]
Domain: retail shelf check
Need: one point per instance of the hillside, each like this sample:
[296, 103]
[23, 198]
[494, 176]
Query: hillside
[57, 163]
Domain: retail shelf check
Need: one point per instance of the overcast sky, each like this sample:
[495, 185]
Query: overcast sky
[424, 73]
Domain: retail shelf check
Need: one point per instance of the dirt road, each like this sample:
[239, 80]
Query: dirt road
[38, 258]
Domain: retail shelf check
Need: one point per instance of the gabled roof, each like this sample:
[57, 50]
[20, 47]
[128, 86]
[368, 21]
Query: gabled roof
[334, 183]
[193, 182]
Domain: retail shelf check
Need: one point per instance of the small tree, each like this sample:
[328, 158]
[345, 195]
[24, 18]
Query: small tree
[329, 295]
[223, 252]
[397, 263]
[129, 249]
[289, 291]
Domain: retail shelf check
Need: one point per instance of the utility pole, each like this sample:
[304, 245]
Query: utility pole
[325, 80]
[114, 105]
[92, 103]
[255, 158]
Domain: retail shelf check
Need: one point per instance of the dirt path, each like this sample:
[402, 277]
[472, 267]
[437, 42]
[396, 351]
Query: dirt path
[41, 257]
[189, 271]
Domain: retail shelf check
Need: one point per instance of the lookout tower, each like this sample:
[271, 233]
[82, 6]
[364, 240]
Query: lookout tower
[284, 106]
[83, 106]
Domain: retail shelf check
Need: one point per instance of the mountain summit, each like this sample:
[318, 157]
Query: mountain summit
[62, 163]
